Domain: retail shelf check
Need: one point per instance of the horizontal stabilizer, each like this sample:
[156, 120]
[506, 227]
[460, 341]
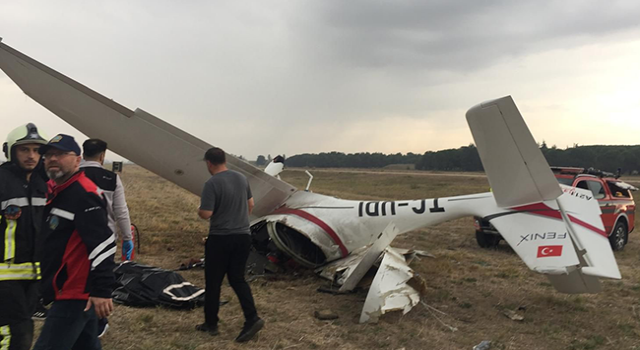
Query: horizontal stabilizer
[575, 282]
[517, 171]
[563, 239]
[582, 213]
[539, 236]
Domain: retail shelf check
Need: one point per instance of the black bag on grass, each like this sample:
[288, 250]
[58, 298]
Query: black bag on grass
[141, 285]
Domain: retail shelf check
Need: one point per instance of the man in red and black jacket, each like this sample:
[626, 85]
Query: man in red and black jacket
[77, 266]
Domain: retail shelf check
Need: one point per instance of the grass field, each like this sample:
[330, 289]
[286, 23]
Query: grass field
[471, 287]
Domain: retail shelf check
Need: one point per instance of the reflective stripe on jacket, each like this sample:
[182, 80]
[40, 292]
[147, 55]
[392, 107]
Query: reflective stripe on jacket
[24, 271]
[21, 217]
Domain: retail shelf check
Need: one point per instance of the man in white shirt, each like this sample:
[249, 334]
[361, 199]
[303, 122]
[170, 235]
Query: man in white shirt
[93, 153]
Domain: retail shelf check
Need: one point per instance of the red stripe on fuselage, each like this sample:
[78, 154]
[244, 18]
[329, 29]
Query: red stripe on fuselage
[320, 223]
[544, 210]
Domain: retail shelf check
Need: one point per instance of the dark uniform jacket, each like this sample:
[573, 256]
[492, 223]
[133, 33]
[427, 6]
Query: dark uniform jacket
[21, 213]
[78, 262]
[103, 178]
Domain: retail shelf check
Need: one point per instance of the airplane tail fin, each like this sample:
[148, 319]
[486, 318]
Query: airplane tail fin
[518, 172]
[556, 231]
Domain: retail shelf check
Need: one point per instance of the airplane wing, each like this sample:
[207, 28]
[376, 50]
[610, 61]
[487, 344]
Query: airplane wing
[136, 135]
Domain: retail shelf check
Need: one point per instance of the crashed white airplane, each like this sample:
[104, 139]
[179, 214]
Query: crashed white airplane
[317, 230]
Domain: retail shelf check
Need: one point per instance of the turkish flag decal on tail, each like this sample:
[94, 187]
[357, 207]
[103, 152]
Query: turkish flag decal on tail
[549, 250]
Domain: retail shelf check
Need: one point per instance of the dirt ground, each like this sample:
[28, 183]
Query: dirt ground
[469, 288]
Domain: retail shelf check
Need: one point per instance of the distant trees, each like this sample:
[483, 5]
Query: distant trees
[241, 157]
[466, 158]
[607, 158]
[350, 160]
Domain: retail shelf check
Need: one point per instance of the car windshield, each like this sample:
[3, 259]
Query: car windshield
[565, 180]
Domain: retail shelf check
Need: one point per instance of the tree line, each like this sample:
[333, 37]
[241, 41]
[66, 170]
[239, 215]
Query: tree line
[607, 158]
[466, 158]
[350, 160]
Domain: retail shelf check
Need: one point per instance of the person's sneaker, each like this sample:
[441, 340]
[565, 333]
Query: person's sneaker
[206, 328]
[249, 330]
[103, 325]
[40, 313]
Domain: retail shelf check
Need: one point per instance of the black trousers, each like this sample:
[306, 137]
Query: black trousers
[227, 255]
[69, 327]
[18, 301]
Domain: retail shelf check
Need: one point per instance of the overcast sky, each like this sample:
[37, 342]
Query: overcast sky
[273, 77]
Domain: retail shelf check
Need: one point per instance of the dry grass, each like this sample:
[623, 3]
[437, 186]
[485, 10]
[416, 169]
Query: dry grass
[473, 286]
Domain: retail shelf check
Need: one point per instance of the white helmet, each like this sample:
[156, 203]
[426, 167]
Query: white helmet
[22, 135]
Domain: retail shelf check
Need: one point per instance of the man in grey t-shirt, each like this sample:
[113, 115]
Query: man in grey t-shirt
[226, 202]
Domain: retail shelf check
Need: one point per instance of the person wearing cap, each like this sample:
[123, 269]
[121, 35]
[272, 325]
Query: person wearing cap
[22, 201]
[226, 202]
[77, 266]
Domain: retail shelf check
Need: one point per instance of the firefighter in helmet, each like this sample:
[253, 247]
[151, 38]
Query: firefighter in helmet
[22, 199]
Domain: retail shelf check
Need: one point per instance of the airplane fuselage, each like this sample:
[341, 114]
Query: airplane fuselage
[337, 226]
